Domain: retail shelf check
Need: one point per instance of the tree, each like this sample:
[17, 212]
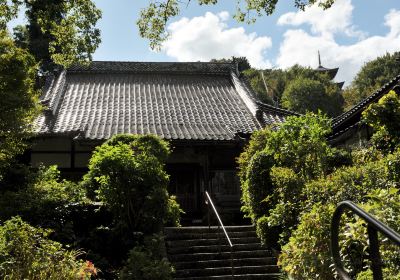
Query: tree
[242, 62]
[372, 76]
[268, 84]
[298, 88]
[58, 32]
[127, 174]
[153, 19]
[384, 118]
[19, 99]
[303, 94]
[27, 252]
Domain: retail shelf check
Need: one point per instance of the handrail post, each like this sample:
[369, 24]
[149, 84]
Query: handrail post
[376, 263]
[373, 226]
[220, 224]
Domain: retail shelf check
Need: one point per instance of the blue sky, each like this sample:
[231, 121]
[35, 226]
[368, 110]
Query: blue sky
[347, 35]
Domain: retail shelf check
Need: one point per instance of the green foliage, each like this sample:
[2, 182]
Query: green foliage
[27, 253]
[367, 184]
[242, 63]
[308, 254]
[129, 177]
[298, 88]
[257, 185]
[174, 212]
[268, 84]
[300, 143]
[276, 164]
[268, 234]
[148, 261]
[392, 163]
[18, 106]
[58, 31]
[372, 76]
[153, 19]
[43, 201]
[304, 94]
[384, 118]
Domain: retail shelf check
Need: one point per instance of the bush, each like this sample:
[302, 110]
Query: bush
[257, 186]
[307, 255]
[43, 201]
[384, 118]
[127, 174]
[147, 261]
[27, 253]
[174, 212]
[268, 234]
[285, 202]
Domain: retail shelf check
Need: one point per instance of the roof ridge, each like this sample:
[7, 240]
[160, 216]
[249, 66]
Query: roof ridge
[360, 105]
[276, 109]
[156, 67]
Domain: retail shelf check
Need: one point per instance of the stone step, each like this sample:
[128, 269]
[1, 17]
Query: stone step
[213, 248]
[201, 253]
[212, 235]
[269, 276]
[216, 241]
[219, 256]
[226, 262]
[227, 270]
[206, 229]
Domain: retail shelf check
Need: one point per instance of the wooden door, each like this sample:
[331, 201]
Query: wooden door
[184, 184]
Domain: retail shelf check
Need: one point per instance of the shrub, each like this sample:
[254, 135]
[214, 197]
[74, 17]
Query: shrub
[384, 118]
[43, 201]
[268, 234]
[285, 202]
[147, 261]
[174, 212]
[27, 253]
[307, 255]
[127, 173]
[257, 186]
[392, 163]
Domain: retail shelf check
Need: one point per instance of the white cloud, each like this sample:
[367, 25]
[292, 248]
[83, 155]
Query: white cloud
[337, 19]
[301, 47]
[206, 37]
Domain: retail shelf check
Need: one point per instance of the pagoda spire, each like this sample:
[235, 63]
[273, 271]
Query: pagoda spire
[319, 59]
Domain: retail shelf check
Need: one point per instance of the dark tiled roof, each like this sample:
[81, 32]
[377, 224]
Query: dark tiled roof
[363, 104]
[198, 101]
[331, 72]
[351, 118]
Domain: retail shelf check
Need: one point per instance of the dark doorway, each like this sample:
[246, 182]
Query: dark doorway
[185, 185]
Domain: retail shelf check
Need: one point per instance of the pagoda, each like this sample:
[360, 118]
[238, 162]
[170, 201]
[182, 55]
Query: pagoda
[331, 72]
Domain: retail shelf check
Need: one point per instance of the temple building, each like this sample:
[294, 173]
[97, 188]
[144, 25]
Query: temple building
[205, 110]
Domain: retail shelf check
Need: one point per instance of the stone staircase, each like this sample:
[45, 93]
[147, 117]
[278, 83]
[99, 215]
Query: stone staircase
[198, 254]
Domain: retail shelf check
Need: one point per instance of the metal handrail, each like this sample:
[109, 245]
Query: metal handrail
[373, 226]
[222, 226]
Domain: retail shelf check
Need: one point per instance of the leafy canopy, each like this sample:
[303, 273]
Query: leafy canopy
[127, 174]
[19, 99]
[372, 76]
[27, 252]
[153, 19]
[384, 118]
[58, 31]
[298, 88]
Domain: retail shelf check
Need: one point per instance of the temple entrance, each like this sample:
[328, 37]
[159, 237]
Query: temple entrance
[185, 185]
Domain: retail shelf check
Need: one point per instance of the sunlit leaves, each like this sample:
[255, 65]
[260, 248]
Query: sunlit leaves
[154, 18]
